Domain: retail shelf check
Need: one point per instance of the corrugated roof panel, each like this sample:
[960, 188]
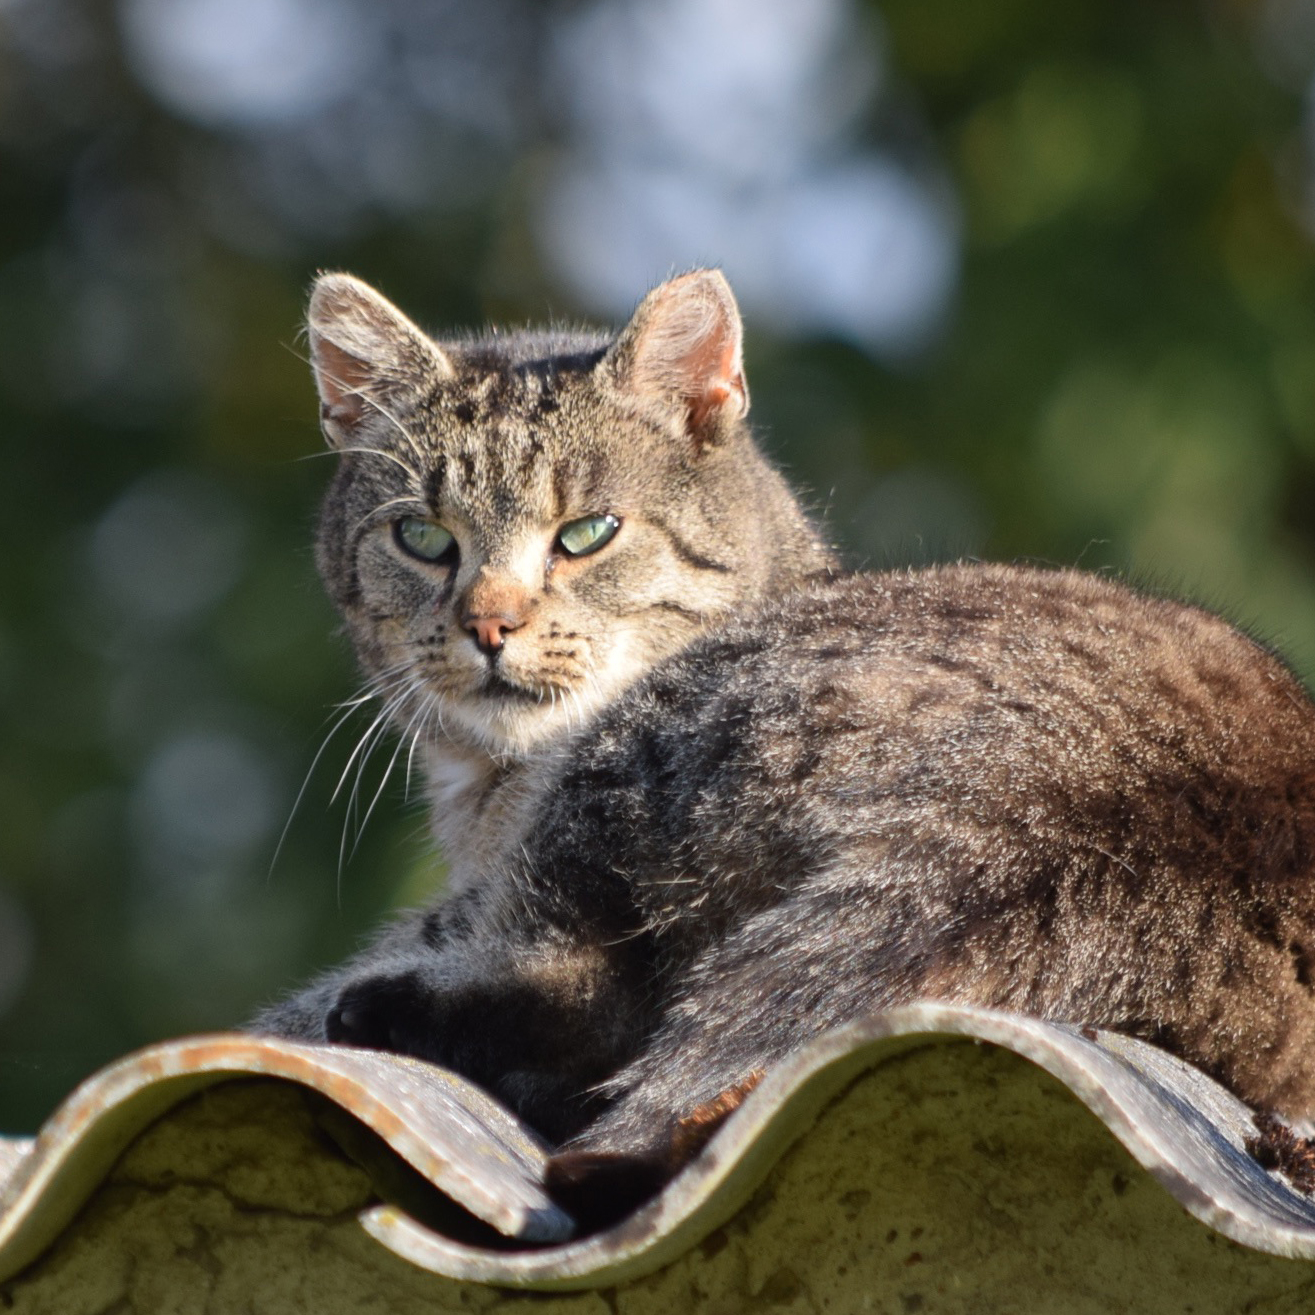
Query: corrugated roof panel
[1182, 1127]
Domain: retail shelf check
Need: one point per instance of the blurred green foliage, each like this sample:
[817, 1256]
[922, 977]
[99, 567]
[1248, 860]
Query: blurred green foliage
[1126, 379]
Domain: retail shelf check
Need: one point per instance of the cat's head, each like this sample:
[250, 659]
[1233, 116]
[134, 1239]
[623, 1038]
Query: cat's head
[524, 523]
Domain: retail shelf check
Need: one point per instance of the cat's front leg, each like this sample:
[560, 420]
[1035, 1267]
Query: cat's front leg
[403, 1004]
[538, 1023]
[403, 954]
[482, 1004]
[538, 1019]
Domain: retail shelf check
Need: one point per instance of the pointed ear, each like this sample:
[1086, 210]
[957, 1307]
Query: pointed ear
[365, 353]
[683, 346]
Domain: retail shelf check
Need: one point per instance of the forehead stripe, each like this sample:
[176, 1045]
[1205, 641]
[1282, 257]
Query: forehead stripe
[435, 480]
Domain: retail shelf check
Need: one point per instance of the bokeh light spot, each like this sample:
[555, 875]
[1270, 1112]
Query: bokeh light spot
[169, 547]
[246, 62]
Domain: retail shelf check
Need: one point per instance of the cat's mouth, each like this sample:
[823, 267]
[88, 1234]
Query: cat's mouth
[497, 686]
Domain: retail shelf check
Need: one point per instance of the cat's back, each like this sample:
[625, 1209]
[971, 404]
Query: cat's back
[1045, 652]
[1037, 706]
[1023, 789]
[1033, 653]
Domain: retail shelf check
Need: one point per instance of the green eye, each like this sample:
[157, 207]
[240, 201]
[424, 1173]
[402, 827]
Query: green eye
[588, 534]
[427, 540]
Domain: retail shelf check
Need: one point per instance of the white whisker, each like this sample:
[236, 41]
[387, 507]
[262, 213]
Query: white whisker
[369, 452]
[365, 744]
[429, 706]
[388, 771]
[365, 747]
[310, 771]
[372, 690]
[375, 404]
[384, 506]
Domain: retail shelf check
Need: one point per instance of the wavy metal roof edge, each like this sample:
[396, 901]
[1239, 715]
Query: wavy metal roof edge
[1182, 1127]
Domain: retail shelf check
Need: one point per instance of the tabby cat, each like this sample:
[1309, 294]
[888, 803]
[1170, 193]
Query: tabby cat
[703, 793]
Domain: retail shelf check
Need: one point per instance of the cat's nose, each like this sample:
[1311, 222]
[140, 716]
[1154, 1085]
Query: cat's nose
[490, 631]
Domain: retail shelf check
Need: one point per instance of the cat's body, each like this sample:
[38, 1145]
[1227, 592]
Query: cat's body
[703, 795]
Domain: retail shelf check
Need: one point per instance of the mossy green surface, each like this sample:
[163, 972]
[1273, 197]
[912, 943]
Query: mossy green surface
[956, 1179]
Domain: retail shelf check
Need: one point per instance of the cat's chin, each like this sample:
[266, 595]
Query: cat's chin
[504, 718]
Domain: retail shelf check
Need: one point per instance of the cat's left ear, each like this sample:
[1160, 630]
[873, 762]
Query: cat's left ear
[367, 356]
[683, 346]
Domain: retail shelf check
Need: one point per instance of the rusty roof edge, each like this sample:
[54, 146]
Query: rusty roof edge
[453, 1133]
[1182, 1127]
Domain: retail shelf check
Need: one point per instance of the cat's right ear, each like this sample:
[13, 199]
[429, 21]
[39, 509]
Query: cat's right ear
[683, 347]
[367, 356]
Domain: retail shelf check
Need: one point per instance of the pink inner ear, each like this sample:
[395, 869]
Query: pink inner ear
[688, 347]
[713, 368]
[341, 378]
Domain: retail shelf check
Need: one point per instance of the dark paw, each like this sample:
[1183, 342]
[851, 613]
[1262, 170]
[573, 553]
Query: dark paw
[386, 1013]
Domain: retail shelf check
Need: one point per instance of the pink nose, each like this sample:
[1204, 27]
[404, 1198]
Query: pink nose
[490, 631]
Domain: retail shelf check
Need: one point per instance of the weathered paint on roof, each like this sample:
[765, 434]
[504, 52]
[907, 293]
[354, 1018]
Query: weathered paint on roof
[1184, 1130]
